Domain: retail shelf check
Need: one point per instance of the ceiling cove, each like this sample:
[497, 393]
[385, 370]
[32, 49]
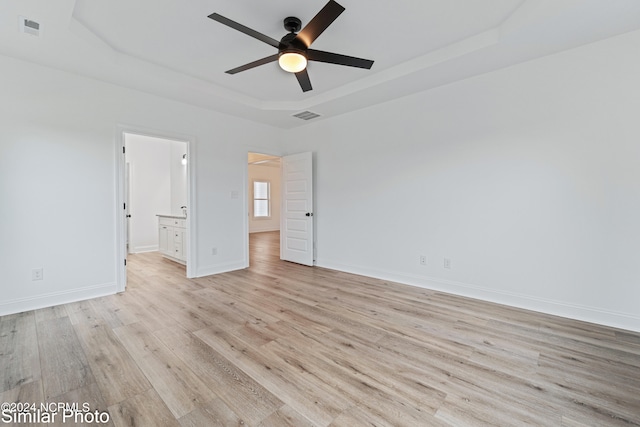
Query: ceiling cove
[171, 48]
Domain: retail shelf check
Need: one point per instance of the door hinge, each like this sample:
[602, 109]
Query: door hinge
[125, 206]
[123, 150]
[125, 262]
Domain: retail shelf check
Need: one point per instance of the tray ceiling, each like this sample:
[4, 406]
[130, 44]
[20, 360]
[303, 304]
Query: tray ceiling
[171, 48]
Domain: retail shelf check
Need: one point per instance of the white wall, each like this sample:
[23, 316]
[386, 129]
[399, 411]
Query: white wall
[58, 135]
[526, 178]
[265, 173]
[158, 186]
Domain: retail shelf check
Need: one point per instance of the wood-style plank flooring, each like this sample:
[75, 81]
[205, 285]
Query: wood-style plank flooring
[280, 344]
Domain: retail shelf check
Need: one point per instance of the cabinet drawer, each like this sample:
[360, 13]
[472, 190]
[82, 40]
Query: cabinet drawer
[177, 235]
[177, 250]
[172, 222]
[165, 221]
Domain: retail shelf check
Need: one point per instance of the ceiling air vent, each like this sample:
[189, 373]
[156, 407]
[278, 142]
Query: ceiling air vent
[28, 26]
[306, 115]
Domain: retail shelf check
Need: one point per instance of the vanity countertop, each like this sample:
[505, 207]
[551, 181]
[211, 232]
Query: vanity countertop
[172, 216]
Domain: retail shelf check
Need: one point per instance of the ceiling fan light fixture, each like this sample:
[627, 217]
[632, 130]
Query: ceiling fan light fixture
[294, 48]
[292, 61]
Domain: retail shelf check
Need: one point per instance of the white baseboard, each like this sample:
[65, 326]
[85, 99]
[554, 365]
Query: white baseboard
[263, 230]
[558, 308]
[220, 268]
[179, 261]
[20, 305]
[143, 249]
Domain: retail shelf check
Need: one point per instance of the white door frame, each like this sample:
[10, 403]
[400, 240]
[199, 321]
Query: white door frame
[121, 229]
[127, 200]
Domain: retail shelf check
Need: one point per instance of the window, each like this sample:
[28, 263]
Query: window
[261, 199]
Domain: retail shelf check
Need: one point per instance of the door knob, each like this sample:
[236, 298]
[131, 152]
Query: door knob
[308, 214]
[128, 216]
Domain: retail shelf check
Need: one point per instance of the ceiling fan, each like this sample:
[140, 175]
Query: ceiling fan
[293, 48]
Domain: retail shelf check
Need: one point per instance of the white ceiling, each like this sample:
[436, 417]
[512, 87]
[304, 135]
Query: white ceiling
[263, 159]
[171, 48]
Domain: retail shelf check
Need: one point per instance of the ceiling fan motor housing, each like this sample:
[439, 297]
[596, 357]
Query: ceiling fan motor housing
[289, 43]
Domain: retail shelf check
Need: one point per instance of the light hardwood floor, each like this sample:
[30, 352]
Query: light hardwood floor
[280, 344]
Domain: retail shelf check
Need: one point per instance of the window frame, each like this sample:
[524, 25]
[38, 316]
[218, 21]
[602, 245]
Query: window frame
[253, 199]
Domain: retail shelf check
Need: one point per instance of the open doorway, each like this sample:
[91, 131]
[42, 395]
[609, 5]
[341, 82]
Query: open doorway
[155, 194]
[264, 192]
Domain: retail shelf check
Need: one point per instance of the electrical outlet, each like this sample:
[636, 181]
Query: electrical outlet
[423, 260]
[214, 251]
[37, 274]
[447, 263]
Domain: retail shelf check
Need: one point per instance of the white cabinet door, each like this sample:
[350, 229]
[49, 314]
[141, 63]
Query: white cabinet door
[165, 239]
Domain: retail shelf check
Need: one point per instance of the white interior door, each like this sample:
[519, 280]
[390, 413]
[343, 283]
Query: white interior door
[296, 223]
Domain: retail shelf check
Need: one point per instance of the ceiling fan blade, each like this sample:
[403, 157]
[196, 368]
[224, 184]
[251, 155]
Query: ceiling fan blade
[320, 22]
[248, 31]
[303, 79]
[336, 58]
[250, 65]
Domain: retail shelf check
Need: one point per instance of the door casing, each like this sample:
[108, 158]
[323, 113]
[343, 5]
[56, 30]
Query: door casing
[121, 228]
